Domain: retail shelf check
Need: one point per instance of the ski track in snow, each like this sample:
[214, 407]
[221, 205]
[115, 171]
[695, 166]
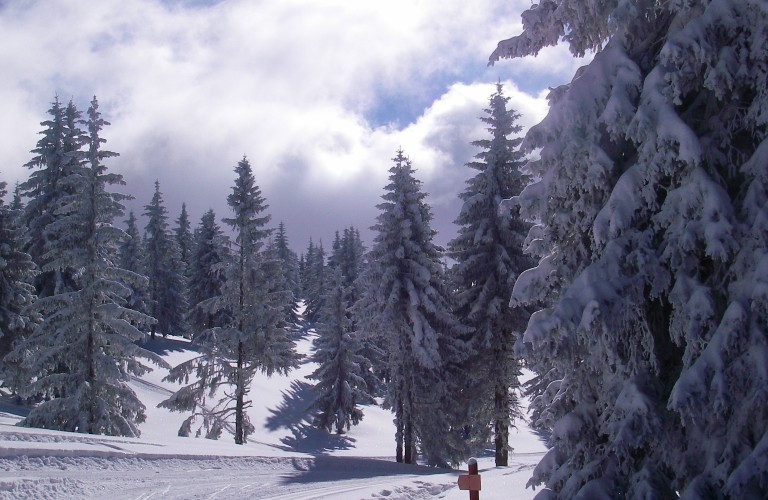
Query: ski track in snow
[175, 478]
[229, 478]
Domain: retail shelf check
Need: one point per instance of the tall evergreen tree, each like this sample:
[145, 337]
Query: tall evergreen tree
[301, 276]
[348, 258]
[131, 251]
[341, 384]
[131, 258]
[354, 256]
[56, 156]
[210, 255]
[17, 274]
[335, 257]
[407, 301]
[86, 330]
[167, 303]
[307, 275]
[41, 187]
[74, 138]
[183, 233]
[288, 257]
[289, 263]
[316, 284]
[16, 203]
[489, 256]
[254, 292]
[653, 237]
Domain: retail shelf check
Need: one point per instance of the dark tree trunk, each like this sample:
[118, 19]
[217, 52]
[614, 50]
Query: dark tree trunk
[239, 420]
[410, 456]
[399, 431]
[501, 404]
[502, 440]
[91, 381]
[409, 447]
[239, 431]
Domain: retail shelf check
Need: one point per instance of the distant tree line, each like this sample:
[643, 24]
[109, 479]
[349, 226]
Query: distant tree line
[393, 323]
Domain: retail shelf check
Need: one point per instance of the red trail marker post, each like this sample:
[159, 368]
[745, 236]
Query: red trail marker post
[471, 481]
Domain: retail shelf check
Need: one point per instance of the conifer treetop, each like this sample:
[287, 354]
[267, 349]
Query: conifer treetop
[248, 205]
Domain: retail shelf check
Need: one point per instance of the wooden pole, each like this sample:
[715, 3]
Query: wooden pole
[472, 464]
[471, 481]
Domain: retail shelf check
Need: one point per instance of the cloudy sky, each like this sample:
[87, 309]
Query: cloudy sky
[319, 94]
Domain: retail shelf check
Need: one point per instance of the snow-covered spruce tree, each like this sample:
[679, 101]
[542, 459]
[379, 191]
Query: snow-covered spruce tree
[341, 385]
[17, 273]
[131, 258]
[489, 256]
[131, 252]
[315, 283]
[306, 270]
[183, 234]
[654, 254]
[335, 251]
[86, 330]
[167, 302]
[290, 266]
[301, 276]
[56, 156]
[210, 256]
[289, 258]
[256, 339]
[407, 302]
[349, 257]
[272, 253]
[16, 203]
[41, 187]
[75, 138]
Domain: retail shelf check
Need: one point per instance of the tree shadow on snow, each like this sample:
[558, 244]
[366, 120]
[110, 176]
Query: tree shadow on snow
[13, 405]
[326, 468]
[543, 436]
[292, 414]
[162, 346]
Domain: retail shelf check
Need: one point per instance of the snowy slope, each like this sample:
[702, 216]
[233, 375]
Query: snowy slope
[285, 458]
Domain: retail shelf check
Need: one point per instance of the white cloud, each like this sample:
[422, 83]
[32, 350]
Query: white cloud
[289, 83]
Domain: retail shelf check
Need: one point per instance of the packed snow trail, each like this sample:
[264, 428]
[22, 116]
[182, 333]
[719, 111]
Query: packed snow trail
[232, 478]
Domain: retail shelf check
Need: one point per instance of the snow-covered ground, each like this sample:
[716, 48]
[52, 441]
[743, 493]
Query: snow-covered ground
[286, 458]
